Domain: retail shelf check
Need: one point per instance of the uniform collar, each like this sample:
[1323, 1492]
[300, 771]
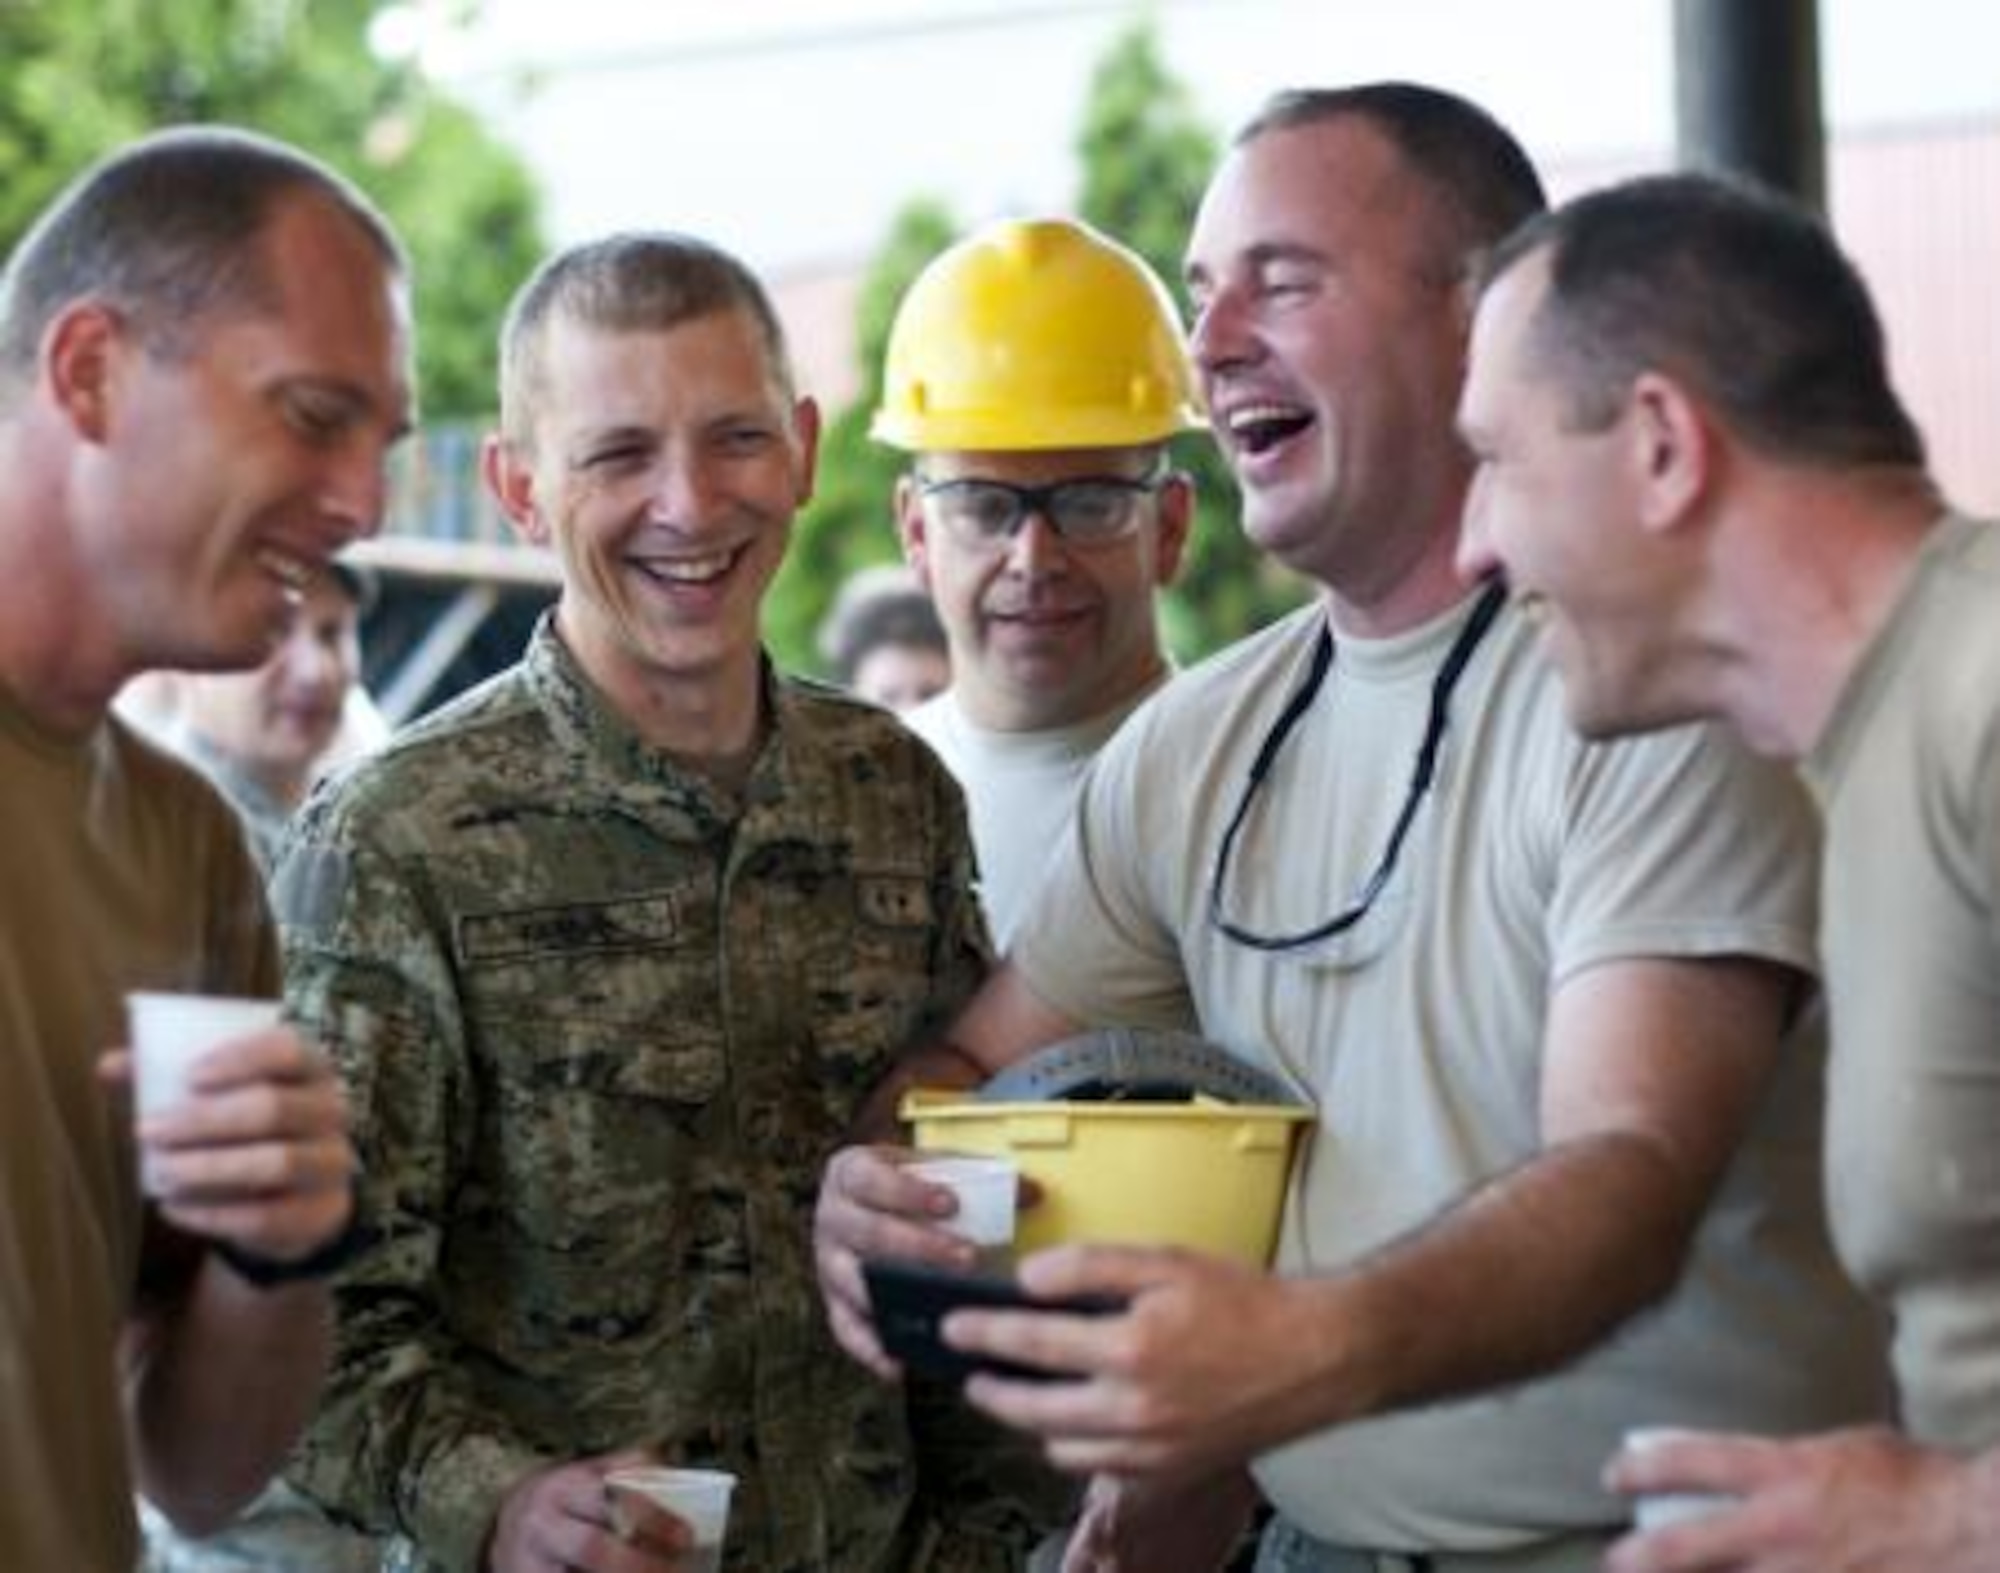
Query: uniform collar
[585, 725]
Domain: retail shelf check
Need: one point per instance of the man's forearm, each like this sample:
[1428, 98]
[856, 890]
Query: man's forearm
[940, 1064]
[401, 1443]
[1650, 1075]
[1002, 1024]
[218, 1385]
[1556, 1255]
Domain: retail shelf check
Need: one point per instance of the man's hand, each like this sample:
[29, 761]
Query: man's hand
[869, 1207]
[1860, 1501]
[220, 1373]
[1210, 1364]
[1132, 1526]
[560, 1521]
[258, 1154]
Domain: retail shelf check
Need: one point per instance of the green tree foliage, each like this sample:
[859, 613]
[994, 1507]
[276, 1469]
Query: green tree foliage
[1146, 156]
[849, 522]
[78, 77]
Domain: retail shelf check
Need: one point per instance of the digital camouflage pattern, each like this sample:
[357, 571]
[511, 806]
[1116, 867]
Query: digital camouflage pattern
[602, 1030]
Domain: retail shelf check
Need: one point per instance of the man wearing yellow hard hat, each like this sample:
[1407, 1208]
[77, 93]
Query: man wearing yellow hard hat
[1037, 371]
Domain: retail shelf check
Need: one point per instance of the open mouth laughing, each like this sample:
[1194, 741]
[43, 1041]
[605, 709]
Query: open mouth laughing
[1257, 429]
[293, 572]
[706, 568]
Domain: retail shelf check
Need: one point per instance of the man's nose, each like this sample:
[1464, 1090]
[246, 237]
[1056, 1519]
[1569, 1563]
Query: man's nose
[1220, 333]
[678, 491]
[356, 494]
[1476, 558]
[1036, 547]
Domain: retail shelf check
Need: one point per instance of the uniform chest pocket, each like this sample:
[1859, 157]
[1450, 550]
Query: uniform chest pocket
[603, 1074]
[611, 999]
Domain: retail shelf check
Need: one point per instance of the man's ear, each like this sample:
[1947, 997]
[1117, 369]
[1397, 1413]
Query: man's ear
[1176, 505]
[511, 479]
[805, 433]
[79, 355]
[912, 529]
[1674, 450]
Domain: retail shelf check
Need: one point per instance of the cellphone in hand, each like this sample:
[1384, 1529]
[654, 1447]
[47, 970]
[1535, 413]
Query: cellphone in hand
[911, 1299]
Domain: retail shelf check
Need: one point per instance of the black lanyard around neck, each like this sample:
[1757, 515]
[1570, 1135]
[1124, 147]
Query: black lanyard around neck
[1490, 601]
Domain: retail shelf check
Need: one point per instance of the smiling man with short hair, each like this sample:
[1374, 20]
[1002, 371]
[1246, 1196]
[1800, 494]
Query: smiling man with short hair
[189, 430]
[613, 948]
[1694, 464]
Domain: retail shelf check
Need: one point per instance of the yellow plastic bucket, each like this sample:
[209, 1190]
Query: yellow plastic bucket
[1207, 1175]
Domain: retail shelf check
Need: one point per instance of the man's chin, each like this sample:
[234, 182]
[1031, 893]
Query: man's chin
[1044, 661]
[1028, 649]
[1604, 718]
[1594, 727]
[251, 637]
[1041, 706]
[1282, 529]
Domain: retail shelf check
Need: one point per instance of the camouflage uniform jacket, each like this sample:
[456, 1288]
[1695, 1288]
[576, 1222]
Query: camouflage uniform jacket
[601, 1032]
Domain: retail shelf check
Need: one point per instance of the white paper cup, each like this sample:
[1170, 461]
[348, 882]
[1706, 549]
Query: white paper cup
[698, 1497]
[170, 1032]
[1658, 1509]
[988, 1191]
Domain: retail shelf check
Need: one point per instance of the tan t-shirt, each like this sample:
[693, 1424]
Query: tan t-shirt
[1419, 1032]
[1910, 771]
[119, 869]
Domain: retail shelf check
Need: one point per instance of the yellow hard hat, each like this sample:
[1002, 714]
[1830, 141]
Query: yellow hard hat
[1035, 334]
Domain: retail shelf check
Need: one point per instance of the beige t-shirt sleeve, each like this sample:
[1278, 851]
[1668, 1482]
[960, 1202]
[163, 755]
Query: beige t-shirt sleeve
[1681, 844]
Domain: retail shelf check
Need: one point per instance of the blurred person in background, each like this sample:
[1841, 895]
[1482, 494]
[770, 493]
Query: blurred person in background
[882, 640]
[264, 736]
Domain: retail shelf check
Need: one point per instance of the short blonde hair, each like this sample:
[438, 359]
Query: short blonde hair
[635, 280]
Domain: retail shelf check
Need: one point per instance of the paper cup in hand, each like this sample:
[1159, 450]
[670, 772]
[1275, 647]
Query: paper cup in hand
[988, 1192]
[698, 1497]
[170, 1032]
[1658, 1509]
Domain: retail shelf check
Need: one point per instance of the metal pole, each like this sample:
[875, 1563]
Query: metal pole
[1746, 91]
